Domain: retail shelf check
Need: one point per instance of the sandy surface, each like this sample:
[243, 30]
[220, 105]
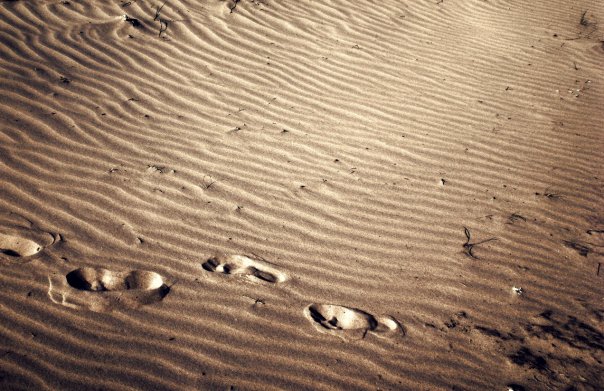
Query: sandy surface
[325, 195]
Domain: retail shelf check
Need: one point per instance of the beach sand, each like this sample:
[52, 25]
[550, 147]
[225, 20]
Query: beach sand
[321, 195]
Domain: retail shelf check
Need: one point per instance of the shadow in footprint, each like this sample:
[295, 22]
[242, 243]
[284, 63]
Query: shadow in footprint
[350, 323]
[102, 289]
[253, 269]
[17, 247]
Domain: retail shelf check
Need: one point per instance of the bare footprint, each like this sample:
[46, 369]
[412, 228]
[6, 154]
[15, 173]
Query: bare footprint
[350, 323]
[16, 246]
[102, 289]
[253, 269]
[20, 238]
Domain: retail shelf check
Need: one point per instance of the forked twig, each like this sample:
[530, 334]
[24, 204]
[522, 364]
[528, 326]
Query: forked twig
[163, 23]
[469, 247]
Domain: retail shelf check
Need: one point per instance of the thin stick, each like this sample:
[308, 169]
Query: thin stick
[163, 26]
[158, 10]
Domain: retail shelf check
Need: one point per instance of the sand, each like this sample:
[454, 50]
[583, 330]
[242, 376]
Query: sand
[322, 195]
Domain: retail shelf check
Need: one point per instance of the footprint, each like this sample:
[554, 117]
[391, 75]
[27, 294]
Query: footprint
[102, 290]
[89, 279]
[253, 269]
[350, 323]
[16, 246]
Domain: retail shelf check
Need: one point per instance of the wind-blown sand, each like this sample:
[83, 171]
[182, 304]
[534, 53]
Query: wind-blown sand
[325, 195]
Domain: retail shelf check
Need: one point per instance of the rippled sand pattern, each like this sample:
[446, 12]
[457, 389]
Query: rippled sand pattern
[325, 195]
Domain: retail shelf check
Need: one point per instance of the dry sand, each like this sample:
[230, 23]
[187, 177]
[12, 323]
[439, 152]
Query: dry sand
[325, 195]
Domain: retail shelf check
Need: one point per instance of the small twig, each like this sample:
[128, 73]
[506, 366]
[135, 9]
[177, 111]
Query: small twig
[129, 3]
[158, 10]
[232, 8]
[257, 300]
[163, 26]
[468, 235]
[207, 186]
[598, 271]
[582, 249]
[584, 21]
[551, 196]
[134, 22]
[469, 247]
[516, 217]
